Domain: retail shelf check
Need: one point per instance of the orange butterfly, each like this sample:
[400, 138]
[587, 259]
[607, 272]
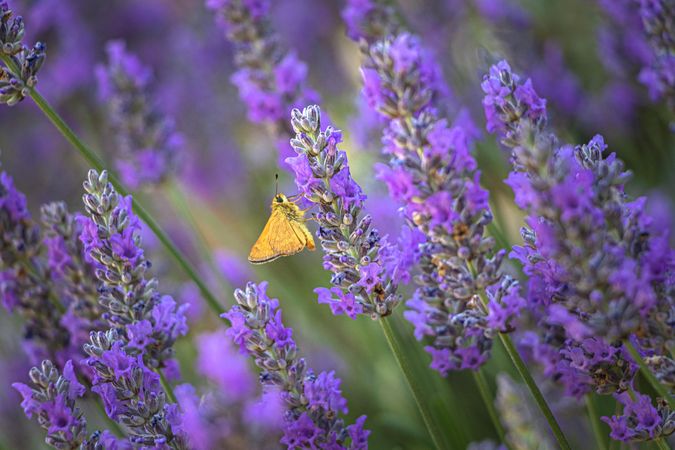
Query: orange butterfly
[285, 233]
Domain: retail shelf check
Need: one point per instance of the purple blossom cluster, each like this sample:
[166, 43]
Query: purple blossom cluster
[366, 268]
[600, 267]
[658, 19]
[369, 20]
[52, 400]
[313, 402]
[640, 420]
[626, 53]
[271, 80]
[463, 297]
[20, 64]
[130, 357]
[73, 275]
[43, 277]
[147, 145]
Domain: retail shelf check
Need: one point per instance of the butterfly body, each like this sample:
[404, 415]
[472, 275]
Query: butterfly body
[284, 234]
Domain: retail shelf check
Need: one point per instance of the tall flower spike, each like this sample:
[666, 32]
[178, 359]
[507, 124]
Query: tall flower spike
[146, 320]
[73, 274]
[143, 324]
[25, 282]
[601, 269]
[597, 253]
[433, 175]
[20, 75]
[270, 79]
[658, 18]
[52, 401]
[314, 402]
[148, 146]
[370, 20]
[366, 268]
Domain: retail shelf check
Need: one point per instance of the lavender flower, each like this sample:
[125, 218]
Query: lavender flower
[18, 74]
[369, 20]
[658, 18]
[314, 402]
[640, 420]
[144, 324]
[52, 400]
[53, 403]
[589, 248]
[146, 320]
[270, 79]
[148, 145]
[432, 174]
[25, 282]
[366, 268]
[626, 54]
[600, 267]
[73, 276]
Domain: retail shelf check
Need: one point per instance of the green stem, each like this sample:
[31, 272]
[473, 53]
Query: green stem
[646, 371]
[415, 389]
[496, 229]
[485, 393]
[595, 422]
[662, 444]
[167, 387]
[526, 376]
[499, 236]
[90, 156]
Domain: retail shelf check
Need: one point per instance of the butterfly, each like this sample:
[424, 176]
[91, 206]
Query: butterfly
[284, 234]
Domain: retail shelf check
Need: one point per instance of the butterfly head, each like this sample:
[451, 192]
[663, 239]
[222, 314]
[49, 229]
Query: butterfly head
[290, 209]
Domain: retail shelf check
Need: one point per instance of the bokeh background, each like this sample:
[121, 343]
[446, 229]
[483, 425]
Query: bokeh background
[583, 56]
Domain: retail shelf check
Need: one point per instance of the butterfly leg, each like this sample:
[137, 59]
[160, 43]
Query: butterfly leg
[311, 218]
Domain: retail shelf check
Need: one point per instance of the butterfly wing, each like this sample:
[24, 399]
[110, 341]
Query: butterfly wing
[301, 229]
[280, 237]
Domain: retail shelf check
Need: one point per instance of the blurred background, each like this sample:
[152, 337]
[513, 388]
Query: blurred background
[584, 57]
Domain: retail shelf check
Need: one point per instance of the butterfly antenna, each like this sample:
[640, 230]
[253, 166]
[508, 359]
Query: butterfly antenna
[276, 184]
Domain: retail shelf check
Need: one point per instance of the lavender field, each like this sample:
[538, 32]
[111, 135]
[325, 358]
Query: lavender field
[337, 224]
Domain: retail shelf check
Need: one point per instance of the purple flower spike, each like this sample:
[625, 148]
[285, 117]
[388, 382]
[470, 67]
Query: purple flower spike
[314, 403]
[367, 269]
[640, 421]
[42, 279]
[143, 324]
[148, 146]
[369, 20]
[52, 401]
[271, 80]
[18, 78]
[658, 19]
[579, 215]
[434, 177]
[591, 254]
